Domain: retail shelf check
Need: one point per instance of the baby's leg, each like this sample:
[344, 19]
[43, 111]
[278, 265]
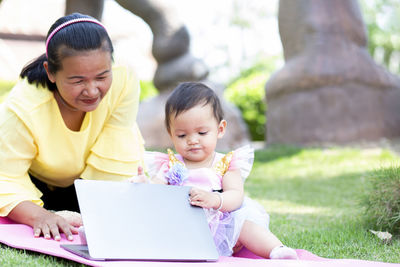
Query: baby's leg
[261, 242]
[258, 239]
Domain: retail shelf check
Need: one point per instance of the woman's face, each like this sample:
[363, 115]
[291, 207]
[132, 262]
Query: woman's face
[84, 79]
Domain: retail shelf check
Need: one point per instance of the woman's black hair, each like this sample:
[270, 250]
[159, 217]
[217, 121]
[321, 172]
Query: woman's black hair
[188, 95]
[76, 37]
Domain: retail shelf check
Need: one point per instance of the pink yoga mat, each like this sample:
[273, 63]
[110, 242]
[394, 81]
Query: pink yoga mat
[21, 237]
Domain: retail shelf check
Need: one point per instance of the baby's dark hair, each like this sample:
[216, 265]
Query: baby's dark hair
[188, 95]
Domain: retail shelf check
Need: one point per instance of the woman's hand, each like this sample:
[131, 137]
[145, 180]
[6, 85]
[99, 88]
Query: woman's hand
[50, 225]
[72, 217]
[204, 199]
[43, 222]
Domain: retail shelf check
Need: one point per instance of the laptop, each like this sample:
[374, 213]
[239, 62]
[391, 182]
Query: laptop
[137, 221]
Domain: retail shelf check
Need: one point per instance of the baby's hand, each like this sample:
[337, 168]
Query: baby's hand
[140, 177]
[204, 199]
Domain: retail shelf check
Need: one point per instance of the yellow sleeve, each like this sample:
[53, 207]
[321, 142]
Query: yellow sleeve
[17, 149]
[119, 149]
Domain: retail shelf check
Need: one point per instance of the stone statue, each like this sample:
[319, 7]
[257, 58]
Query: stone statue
[330, 89]
[171, 43]
[171, 40]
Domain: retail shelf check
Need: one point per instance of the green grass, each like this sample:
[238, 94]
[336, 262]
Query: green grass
[313, 196]
[10, 257]
[382, 199]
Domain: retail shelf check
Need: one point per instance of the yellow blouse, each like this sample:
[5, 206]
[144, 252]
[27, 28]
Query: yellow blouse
[34, 139]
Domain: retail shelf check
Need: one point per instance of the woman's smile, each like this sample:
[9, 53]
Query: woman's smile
[90, 101]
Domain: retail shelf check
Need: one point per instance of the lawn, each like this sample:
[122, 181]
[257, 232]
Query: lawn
[312, 196]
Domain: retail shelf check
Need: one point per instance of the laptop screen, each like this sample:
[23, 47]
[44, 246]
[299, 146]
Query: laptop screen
[143, 221]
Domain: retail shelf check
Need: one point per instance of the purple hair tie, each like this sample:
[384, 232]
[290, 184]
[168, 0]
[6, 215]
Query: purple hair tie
[65, 24]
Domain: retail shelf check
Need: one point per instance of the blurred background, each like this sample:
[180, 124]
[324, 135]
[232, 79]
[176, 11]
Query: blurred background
[238, 41]
[227, 35]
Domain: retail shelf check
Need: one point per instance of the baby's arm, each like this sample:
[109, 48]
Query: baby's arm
[230, 199]
[232, 187]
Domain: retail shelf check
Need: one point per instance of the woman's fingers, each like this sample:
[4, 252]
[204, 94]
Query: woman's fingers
[37, 231]
[45, 231]
[52, 228]
[74, 230]
[68, 232]
[54, 232]
[66, 228]
[72, 217]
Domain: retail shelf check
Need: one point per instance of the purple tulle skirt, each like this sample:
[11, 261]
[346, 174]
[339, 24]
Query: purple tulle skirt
[226, 226]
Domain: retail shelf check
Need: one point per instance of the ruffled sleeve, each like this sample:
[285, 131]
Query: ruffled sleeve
[119, 148]
[17, 148]
[116, 155]
[242, 159]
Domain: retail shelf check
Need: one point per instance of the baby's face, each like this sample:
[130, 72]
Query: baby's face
[195, 133]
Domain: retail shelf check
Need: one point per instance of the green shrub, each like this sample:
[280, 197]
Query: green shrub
[248, 94]
[147, 90]
[382, 199]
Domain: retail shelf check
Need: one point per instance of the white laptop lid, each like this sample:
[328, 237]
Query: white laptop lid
[143, 221]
